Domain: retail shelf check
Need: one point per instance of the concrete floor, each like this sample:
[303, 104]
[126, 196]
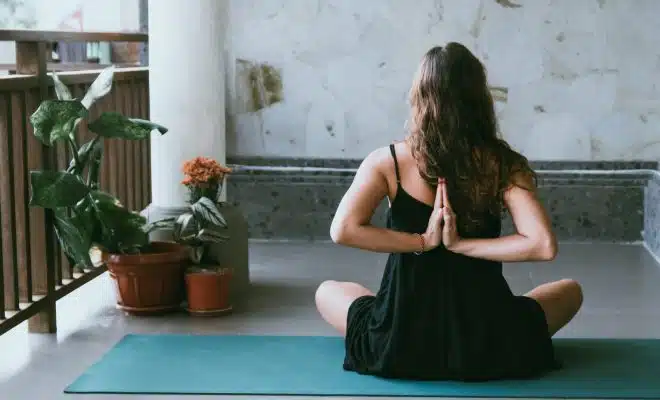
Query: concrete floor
[620, 284]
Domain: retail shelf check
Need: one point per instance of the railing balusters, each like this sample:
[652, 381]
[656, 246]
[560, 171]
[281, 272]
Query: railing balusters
[61, 163]
[2, 275]
[113, 152]
[41, 262]
[105, 105]
[140, 148]
[135, 175]
[34, 273]
[64, 272]
[40, 265]
[37, 238]
[137, 156]
[8, 300]
[10, 244]
[22, 266]
[120, 147]
[129, 145]
[143, 91]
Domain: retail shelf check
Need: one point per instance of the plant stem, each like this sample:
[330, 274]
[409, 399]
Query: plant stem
[74, 150]
[97, 211]
[93, 172]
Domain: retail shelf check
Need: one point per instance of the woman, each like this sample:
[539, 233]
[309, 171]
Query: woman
[444, 309]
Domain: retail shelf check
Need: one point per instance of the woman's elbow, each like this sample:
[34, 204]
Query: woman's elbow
[546, 248]
[339, 232]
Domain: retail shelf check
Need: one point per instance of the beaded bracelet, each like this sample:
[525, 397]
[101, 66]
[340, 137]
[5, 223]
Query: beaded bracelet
[423, 243]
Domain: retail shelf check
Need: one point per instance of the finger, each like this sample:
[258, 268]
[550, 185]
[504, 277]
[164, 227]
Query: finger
[445, 198]
[448, 215]
[439, 216]
[439, 195]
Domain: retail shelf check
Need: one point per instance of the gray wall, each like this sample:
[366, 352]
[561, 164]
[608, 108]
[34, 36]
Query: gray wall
[575, 79]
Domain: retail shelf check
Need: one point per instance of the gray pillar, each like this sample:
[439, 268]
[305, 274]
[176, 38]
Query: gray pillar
[187, 95]
[144, 28]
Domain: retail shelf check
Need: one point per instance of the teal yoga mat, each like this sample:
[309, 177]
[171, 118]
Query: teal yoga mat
[308, 365]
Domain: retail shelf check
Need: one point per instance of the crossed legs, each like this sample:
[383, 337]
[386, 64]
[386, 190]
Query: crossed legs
[560, 300]
[333, 300]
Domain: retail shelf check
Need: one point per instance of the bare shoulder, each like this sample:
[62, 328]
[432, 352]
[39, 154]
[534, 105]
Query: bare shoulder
[378, 160]
[523, 180]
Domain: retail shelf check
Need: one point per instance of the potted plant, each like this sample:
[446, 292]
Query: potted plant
[202, 225]
[147, 275]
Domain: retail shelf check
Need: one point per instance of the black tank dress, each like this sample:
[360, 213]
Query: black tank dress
[445, 316]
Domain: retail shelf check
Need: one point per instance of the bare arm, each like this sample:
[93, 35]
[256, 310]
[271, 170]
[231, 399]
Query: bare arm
[351, 225]
[534, 240]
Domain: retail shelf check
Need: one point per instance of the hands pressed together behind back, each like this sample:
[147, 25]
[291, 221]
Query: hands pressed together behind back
[351, 225]
[442, 223]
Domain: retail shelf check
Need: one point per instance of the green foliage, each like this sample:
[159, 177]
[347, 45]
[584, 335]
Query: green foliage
[115, 125]
[84, 152]
[55, 189]
[72, 233]
[61, 90]
[84, 216]
[206, 210]
[203, 224]
[101, 86]
[57, 119]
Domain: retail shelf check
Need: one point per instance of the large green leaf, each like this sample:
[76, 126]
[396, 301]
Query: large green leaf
[150, 125]
[61, 90]
[121, 229]
[74, 237]
[115, 125]
[54, 189]
[89, 209]
[206, 211]
[185, 227]
[100, 87]
[167, 223]
[211, 235]
[56, 119]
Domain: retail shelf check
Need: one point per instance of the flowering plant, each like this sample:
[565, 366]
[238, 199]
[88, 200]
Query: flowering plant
[204, 177]
[203, 223]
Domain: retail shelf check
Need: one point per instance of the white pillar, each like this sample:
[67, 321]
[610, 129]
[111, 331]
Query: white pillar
[187, 41]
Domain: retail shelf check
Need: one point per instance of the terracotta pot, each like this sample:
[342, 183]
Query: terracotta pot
[209, 291]
[149, 283]
[234, 252]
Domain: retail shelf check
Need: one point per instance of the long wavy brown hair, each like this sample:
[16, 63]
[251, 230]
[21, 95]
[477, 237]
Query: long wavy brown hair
[453, 134]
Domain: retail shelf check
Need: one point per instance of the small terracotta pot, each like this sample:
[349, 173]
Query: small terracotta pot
[149, 283]
[209, 291]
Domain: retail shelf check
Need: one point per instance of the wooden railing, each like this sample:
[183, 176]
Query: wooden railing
[34, 273]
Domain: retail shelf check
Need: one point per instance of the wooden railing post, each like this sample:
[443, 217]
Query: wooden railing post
[31, 60]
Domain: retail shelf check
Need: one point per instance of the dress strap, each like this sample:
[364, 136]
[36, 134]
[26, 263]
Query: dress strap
[396, 163]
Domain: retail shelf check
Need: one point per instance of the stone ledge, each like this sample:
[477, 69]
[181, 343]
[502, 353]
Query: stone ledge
[297, 199]
[354, 163]
[651, 232]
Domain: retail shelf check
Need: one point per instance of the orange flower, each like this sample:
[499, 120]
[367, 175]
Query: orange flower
[202, 171]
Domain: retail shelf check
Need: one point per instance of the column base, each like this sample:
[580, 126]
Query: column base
[232, 253]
